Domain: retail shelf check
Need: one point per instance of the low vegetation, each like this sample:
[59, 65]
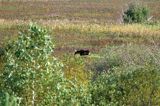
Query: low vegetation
[32, 76]
[37, 62]
[127, 75]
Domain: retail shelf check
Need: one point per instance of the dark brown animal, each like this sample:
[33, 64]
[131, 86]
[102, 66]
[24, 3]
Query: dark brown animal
[82, 52]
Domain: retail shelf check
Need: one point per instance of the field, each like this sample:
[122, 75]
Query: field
[128, 53]
[71, 36]
[85, 10]
[75, 13]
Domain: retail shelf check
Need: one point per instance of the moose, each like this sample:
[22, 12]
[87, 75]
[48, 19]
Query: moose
[82, 52]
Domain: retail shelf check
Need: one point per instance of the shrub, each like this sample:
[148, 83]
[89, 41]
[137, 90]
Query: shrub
[136, 14]
[74, 69]
[29, 71]
[126, 55]
[127, 86]
[32, 73]
[8, 100]
[132, 76]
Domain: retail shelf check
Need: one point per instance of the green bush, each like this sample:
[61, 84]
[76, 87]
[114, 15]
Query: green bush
[127, 86]
[29, 71]
[136, 14]
[8, 100]
[126, 55]
[132, 76]
[74, 69]
[34, 74]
